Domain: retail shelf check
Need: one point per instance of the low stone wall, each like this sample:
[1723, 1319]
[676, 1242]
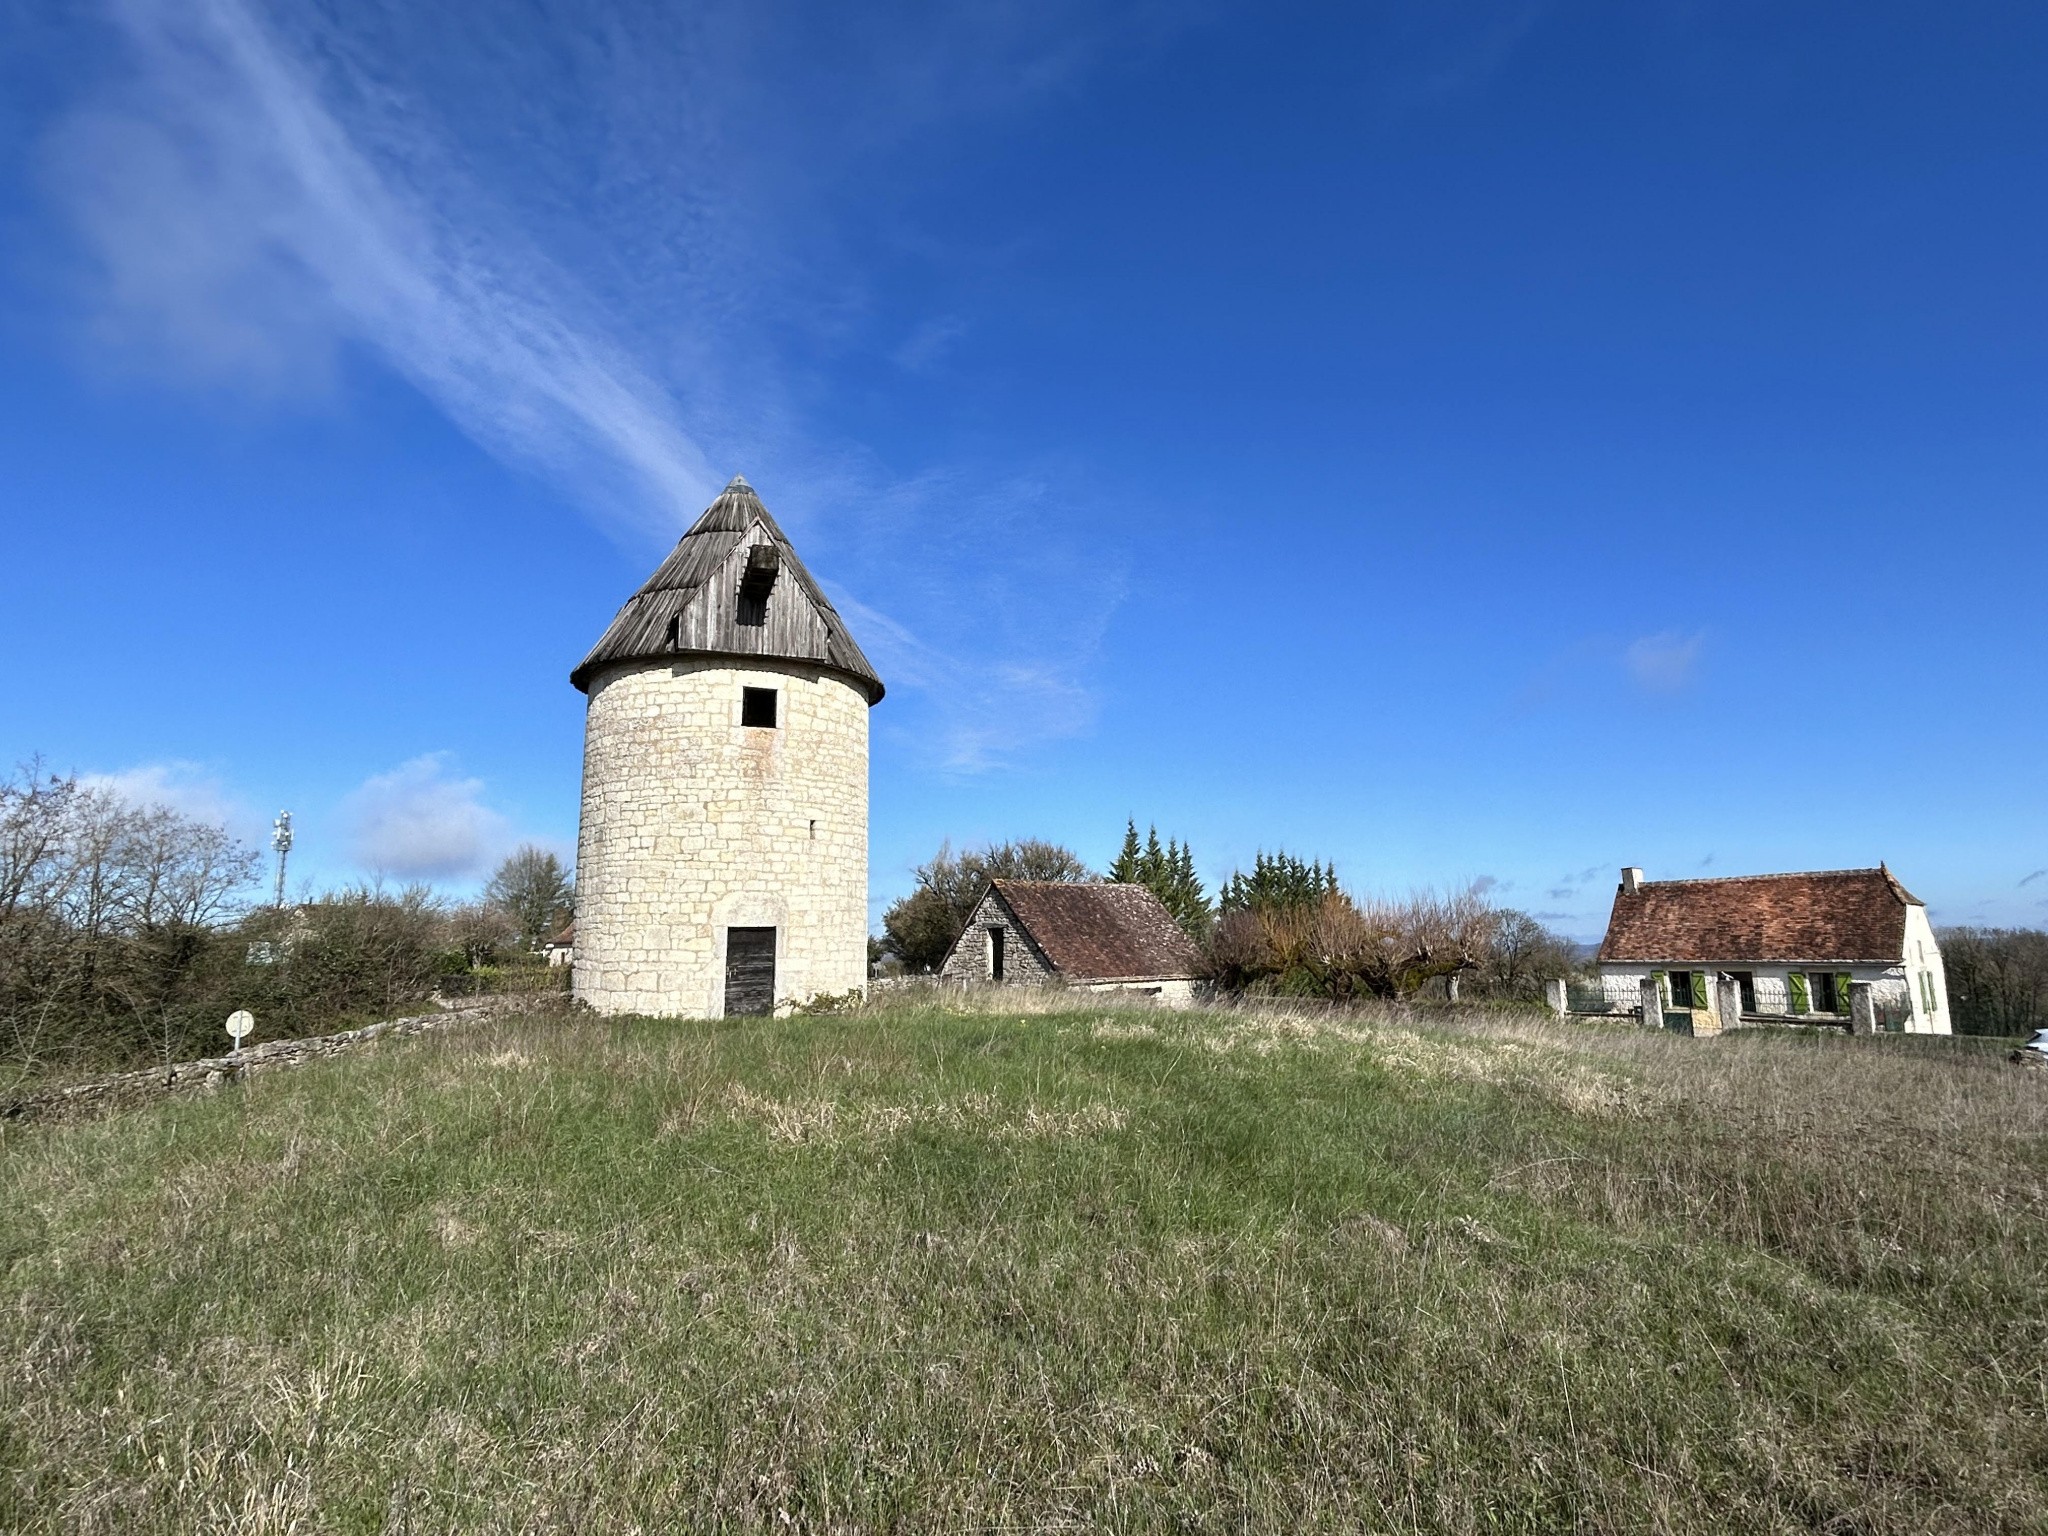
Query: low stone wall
[128, 1088]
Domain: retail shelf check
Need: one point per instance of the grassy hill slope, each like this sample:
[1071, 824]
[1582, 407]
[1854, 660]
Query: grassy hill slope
[916, 1269]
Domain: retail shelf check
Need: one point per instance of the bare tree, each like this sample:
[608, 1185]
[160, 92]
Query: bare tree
[923, 926]
[1997, 979]
[1342, 948]
[533, 890]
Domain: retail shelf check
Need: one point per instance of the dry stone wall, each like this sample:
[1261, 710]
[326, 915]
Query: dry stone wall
[124, 1089]
[694, 823]
[1023, 964]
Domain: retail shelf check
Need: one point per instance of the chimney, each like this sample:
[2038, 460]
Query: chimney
[1631, 880]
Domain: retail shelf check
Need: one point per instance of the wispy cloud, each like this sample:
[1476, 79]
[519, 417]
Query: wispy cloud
[2037, 874]
[988, 711]
[423, 821]
[243, 232]
[1665, 662]
[267, 196]
[925, 348]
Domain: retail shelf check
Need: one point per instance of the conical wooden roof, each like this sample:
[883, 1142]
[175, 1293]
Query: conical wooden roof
[691, 605]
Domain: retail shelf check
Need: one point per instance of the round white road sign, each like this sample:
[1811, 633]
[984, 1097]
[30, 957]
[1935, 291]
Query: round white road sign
[240, 1023]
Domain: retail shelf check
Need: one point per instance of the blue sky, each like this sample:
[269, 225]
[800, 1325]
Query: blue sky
[1467, 442]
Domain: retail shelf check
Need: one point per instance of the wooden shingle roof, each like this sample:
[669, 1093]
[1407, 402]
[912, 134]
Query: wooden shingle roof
[1101, 932]
[691, 604]
[1837, 914]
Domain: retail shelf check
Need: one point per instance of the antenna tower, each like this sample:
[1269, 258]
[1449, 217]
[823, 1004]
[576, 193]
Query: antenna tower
[281, 840]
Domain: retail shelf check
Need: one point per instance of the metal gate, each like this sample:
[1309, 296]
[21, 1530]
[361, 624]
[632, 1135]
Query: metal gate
[749, 971]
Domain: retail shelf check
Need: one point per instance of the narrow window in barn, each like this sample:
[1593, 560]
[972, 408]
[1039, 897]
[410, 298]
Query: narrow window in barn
[1824, 993]
[753, 609]
[996, 936]
[1681, 989]
[757, 707]
[672, 637]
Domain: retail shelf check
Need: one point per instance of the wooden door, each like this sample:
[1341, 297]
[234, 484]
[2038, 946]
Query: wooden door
[749, 971]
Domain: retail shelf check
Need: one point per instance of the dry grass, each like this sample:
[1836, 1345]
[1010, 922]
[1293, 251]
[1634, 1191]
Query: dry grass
[1075, 1268]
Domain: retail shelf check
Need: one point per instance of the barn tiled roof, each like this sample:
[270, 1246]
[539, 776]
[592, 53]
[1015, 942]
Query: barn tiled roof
[688, 606]
[1101, 932]
[1837, 914]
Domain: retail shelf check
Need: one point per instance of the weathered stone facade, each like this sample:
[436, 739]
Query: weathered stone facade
[1092, 937]
[694, 823]
[973, 958]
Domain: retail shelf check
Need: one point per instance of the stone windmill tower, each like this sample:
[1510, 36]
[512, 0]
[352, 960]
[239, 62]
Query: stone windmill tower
[722, 865]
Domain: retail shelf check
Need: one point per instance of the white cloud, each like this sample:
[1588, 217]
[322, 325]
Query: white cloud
[272, 192]
[421, 821]
[1665, 662]
[243, 234]
[191, 789]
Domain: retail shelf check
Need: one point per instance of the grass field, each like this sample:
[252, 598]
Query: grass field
[1084, 1269]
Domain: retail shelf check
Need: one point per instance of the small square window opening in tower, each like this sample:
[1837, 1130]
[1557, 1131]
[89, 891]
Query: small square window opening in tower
[757, 707]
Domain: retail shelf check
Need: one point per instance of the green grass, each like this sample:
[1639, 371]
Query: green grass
[928, 1270]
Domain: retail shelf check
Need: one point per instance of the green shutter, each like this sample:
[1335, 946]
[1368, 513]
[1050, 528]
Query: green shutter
[1663, 986]
[1699, 989]
[1801, 1003]
[1842, 992]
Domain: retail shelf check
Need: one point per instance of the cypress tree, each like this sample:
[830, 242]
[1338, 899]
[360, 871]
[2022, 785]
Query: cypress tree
[1126, 869]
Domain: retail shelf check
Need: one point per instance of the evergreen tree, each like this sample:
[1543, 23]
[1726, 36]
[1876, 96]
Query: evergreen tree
[1278, 881]
[1169, 873]
[1126, 871]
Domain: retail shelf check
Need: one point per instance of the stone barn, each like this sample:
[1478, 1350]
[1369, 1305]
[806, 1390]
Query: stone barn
[722, 859]
[1102, 937]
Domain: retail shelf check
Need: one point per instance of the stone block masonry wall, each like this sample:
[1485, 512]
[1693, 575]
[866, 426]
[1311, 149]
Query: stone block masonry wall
[1022, 963]
[693, 824]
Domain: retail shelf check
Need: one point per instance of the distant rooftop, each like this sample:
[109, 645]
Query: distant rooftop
[1834, 914]
[1101, 931]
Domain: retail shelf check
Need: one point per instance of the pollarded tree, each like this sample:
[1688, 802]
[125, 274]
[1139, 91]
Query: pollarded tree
[533, 889]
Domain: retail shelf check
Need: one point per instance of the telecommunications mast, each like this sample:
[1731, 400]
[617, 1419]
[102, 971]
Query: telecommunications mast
[281, 840]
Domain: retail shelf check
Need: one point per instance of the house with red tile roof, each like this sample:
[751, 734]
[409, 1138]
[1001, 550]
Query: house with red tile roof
[1099, 936]
[1792, 944]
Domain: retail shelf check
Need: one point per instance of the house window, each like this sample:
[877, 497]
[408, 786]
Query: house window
[757, 707]
[1745, 983]
[1826, 995]
[996, 936]
[1681, 989]
[753, 609]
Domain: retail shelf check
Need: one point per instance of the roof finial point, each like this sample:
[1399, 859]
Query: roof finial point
[737, 483]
